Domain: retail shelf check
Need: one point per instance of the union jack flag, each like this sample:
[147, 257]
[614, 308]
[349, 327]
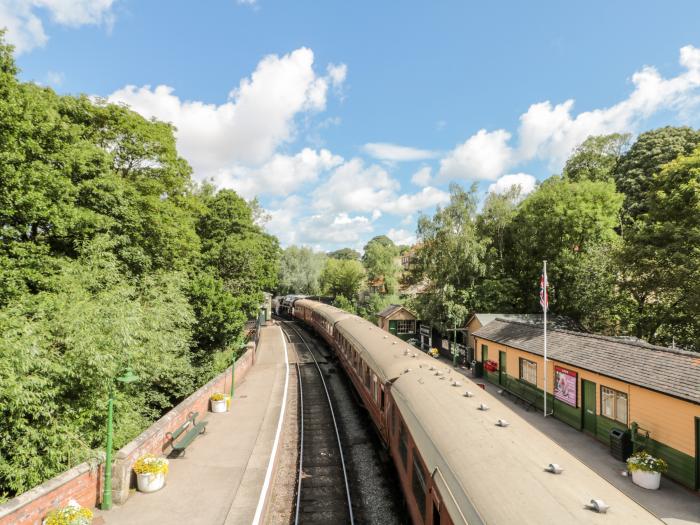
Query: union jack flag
[544, 298]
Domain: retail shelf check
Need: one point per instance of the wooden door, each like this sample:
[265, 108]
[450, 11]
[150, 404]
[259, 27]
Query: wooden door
[588, 402]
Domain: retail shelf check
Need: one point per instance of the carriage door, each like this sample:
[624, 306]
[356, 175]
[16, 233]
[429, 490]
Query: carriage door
[588, 389]
[501, 368]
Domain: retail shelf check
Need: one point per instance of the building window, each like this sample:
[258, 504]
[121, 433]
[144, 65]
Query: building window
[528, 371]
[419, 490]
[405, 327]
[613, 404]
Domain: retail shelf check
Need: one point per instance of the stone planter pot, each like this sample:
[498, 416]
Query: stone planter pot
[218, 406]
[150, 482]
[647, 480]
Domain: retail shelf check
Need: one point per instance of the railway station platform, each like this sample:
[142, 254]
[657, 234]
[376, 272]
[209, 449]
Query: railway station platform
[226, 471]
[672, 503]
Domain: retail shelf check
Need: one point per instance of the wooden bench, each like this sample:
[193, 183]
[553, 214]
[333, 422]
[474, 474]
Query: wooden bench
[189, 435]
[518, 398]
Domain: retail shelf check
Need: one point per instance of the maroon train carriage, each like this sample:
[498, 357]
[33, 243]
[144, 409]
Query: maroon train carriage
[456, 463]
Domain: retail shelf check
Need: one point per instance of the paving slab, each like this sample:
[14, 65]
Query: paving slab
[220, 477]
[673, 503]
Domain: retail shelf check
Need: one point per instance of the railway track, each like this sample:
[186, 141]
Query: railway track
[323, 491]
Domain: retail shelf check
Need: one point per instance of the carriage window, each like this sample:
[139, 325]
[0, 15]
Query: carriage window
[403, 446]
[367, 377]
[381, 400]
[419, 490]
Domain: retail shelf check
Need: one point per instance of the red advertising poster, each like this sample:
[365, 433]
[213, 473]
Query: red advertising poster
[565, 385]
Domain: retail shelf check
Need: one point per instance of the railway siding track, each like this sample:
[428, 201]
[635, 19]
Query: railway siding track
[323, 491]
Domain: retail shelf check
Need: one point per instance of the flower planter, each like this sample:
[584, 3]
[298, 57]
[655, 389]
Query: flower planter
[647, 480]
[150, 482]
[218, 406]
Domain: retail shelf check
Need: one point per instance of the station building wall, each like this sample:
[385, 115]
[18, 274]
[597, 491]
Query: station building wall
[671, 422]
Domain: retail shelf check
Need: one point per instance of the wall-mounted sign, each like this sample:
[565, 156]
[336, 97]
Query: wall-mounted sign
[425, 330]
[565, 385]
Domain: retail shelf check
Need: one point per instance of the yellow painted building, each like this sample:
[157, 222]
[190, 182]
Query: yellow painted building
[597, 384]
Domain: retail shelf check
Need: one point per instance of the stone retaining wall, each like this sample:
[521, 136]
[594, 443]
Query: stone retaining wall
[83, 483]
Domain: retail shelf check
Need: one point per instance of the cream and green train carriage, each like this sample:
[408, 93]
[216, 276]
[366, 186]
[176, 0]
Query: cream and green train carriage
[455, 463]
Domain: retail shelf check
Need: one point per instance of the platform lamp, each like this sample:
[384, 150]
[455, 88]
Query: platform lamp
[128, 377]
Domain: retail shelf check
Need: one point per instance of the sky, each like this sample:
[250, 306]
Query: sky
[349, 119]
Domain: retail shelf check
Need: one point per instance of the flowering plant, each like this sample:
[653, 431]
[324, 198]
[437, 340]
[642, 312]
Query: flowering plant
[150, 464]
[433, 352]
[491, 366]
[71, 514]
[217, 397]
[645, 462]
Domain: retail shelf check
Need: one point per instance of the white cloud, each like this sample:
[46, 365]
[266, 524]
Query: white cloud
[482, 156]
[355, 187]
[25, 29]
[337, 74]
[401, 236]
[424, 199]
[422, 177]
[281, 175]
[503, 184]
[247, 129]
[394, 152]
[551, 131]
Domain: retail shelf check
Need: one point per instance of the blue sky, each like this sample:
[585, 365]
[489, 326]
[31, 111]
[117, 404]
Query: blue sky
[348, 119]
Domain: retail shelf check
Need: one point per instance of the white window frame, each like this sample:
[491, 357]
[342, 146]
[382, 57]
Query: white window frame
[405, 326]
[609, 400]
[528, 371]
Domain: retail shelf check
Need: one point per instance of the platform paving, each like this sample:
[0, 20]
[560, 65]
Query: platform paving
[673, 503]
[219, 479]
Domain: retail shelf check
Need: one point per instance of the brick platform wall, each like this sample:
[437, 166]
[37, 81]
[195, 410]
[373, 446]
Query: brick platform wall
[83, 483]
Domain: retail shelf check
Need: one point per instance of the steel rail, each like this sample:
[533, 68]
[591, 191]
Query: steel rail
[290, 324]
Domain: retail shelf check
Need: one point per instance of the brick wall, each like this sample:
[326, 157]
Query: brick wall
[84, 482]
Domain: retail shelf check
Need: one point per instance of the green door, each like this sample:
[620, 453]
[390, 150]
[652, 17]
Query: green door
[588, 393]
[502, 368]
[392, 327]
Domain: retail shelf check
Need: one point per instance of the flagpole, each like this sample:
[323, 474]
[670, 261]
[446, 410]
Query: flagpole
[545, 308]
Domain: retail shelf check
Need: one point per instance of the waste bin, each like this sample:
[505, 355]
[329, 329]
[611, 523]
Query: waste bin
[620, 444]
[477, 369]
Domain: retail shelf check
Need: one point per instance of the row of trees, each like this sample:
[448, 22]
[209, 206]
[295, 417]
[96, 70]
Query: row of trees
[109, 255]
[620, 229]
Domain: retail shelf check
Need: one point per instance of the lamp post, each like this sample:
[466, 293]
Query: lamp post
[128, 377]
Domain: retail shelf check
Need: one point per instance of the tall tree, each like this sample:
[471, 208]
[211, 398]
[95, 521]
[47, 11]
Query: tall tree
[596, 158]
[380, 262]
[342, 277]
[345, 253]
[651, 150]
[300, 271]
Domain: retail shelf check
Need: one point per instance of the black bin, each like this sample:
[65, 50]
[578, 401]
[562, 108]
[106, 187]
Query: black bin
[477, 369]
[620, 444]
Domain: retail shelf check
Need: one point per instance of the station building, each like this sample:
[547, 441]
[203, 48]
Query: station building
[399, 321]
[597, 384]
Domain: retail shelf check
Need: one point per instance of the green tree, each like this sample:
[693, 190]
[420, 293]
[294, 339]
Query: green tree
[300, 271]
[560, 222]
[342, 277]
[345, 253]
[380, 263]
[637, 167]
[596, 158]
[661, 259]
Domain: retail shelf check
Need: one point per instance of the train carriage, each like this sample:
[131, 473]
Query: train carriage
[455, 463]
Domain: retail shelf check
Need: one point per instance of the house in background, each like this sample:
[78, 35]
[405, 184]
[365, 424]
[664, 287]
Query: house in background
[399, 321]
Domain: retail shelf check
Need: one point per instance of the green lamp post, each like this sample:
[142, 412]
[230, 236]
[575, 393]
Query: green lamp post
[128, 377]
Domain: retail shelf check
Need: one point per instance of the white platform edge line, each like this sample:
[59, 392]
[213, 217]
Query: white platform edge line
[268, 474]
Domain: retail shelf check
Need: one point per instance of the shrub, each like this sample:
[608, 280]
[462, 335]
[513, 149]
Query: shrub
[645, 462]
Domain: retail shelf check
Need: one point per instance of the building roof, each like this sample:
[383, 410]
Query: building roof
[392, 309]
[555, 321]
[666, 370]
